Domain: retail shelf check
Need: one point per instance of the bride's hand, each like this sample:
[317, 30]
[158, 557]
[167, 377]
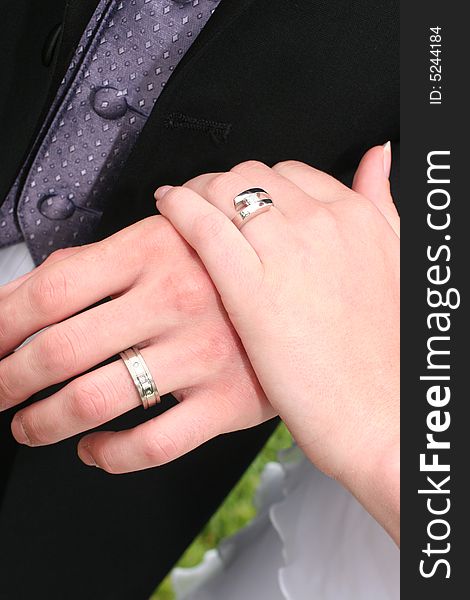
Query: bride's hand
[312, 288]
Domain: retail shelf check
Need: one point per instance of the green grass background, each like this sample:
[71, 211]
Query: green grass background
[235, 512]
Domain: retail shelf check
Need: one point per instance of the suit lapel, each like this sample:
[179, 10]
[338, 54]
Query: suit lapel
[225, 14]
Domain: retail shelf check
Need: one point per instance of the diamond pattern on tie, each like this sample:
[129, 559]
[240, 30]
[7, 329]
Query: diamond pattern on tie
[123, 61]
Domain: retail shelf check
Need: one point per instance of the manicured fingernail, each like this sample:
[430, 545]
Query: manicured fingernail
[162, 191]
[19, 432]
[86, 456]
[387, 159]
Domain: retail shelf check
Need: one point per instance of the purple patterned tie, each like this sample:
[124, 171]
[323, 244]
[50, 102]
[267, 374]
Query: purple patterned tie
[126, 55]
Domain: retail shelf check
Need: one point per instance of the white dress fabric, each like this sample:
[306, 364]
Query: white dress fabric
[311, 540]
[14, 262]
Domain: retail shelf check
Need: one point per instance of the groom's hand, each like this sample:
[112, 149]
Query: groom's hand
[163, 299]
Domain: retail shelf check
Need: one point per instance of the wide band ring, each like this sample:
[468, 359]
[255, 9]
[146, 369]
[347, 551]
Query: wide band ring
[141, 376]
[250, 203]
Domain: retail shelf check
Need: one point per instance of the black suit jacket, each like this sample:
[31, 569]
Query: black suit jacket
[270, 80]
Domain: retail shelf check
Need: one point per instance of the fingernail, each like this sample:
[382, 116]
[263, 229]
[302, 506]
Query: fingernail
[162, 191]
[86, 456]
[387, 159]
[19, 432]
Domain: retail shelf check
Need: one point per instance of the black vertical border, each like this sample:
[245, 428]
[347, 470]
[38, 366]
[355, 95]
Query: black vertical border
[426, 128]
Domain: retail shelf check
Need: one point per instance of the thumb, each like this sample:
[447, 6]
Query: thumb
[372, 181]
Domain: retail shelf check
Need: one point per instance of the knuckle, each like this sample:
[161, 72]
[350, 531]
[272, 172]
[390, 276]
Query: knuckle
[6, 321]
[287, 166]
[59, 254]
[208, 226]
[59, 350]
[88, 403]
[159, 448]
[249, 166]
[190, 292]
[7, 388]
[152, 225]
[218, 186]
[155, 233]
[48, 291]
[324, 222]
[220, 345]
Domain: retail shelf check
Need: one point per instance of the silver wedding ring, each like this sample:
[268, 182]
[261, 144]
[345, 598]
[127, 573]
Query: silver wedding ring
[250, 203]
[141, 376]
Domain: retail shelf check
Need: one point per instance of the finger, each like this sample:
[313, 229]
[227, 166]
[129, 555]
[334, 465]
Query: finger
[104, 394]
[9, 287]
[222, 188]
[372, 181]
[197, 419]
[317, 184]
[262, 230]
[228, 257]
[78, 344]
[63, 288]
